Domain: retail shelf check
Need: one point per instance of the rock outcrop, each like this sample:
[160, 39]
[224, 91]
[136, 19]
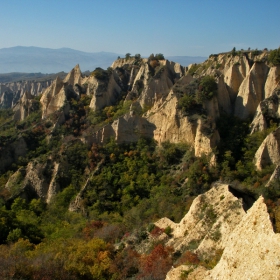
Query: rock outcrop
[252, 250]
[250, 246]
[155, 87]
[25, 106]
[10, 93]
[208, 223]
[7, 97]
[267, 111]
[269, 150]
[38, 179]
[74, 76]
[53, 98]
[104, 92]
[274, 177]
[251, 91]
[272, 81]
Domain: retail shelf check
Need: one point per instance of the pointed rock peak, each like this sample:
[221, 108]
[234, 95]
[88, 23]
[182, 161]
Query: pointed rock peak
[74, 76]
[57, 80]
[77, 68]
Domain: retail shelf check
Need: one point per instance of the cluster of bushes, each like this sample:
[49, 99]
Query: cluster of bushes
[100, 74]
[193, 95]
[274, 57]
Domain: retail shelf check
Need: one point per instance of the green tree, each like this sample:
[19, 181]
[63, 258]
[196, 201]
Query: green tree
[233, 52]
[207, 87]
[159, 56]
[274, 57]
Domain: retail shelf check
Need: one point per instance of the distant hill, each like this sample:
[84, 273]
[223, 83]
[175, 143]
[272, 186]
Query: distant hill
[45, 60]
[39, 77]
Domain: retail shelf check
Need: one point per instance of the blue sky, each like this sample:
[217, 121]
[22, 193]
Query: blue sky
[178, 27]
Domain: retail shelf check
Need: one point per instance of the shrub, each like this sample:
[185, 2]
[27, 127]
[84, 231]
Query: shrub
[156, 264]
[208, 87]
[187, 102]
[274, 57]
[100, 74]
[256, 52]
[159, 56]
[189, 258]
[154, 63]
[193, 69]
[233, 52]
[156, 231]
[168, 231]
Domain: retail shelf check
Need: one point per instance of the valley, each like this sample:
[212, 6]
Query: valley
[146, 169]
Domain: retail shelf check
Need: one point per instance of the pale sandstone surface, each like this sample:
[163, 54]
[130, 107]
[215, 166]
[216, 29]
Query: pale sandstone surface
[193, 272]
[259, 122]
[103, 93]
[251, 91]
[269, 150]
[38, 178]
[272, 81]
[24, 107]
[235, 70]
[251, 248]
[216, 210]
[10, 93]
[274, 176]
[268, 110]
[223, 96]
[122, 61]
[155, 88]
[74, 76]
[53, 99]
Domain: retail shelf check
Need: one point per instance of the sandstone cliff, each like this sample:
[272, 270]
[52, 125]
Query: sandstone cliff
[252, 251]
[38, 179]
[104, 92]
[10, 93]
[250, 247]
[251, 91]
[245, 78]
[267, 111]
[269, 151]
[25, 106]
[208, 223]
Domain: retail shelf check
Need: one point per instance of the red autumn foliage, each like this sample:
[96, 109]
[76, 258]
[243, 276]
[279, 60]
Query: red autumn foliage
[156, 231]
[156, 264]
[188, 258]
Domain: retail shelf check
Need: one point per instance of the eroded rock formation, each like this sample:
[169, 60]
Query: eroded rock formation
[250, 246]
[25, 106]
[269, 151]
[38, 179]
[10, 93]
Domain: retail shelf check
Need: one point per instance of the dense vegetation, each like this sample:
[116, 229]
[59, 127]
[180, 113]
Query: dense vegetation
[126, 187]
[274, 57]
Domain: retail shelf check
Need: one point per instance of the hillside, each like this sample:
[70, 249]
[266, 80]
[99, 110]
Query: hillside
[145, 170]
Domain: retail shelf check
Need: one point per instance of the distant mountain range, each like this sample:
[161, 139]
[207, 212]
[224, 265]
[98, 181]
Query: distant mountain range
[45, 60]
